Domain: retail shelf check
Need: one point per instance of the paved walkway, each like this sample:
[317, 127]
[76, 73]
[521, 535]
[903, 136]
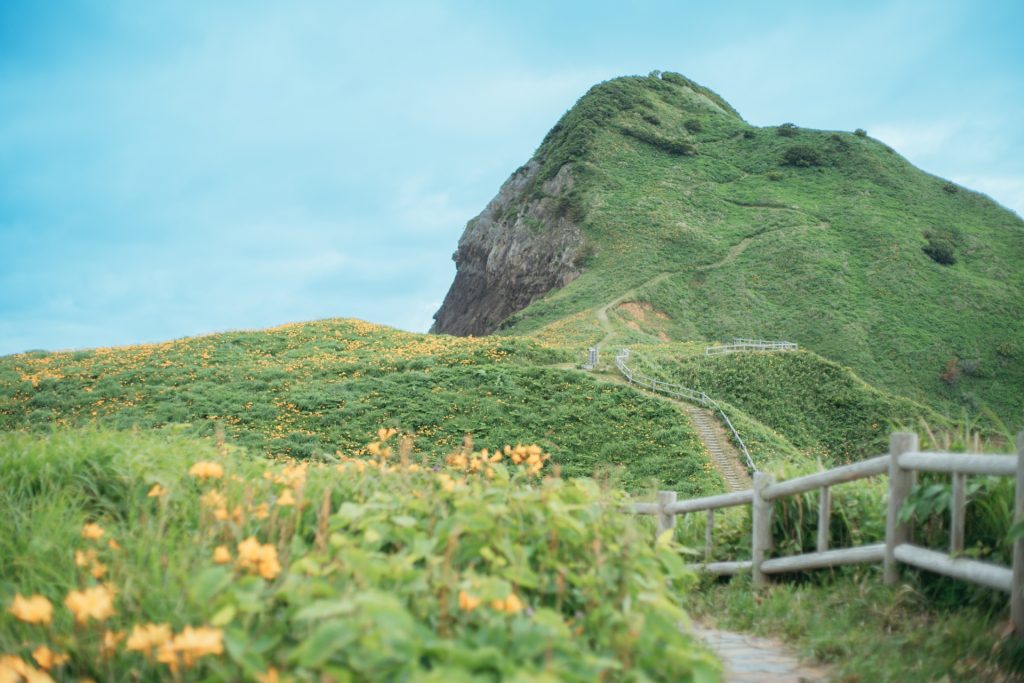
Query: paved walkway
[749, 659]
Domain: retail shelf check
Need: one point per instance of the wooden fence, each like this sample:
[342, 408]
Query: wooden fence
[749, 345]
[901, 464]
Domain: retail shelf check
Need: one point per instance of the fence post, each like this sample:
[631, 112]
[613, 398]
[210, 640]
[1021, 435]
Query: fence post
[957, 513]
[666, 520]
[824, 517]
[708, 531]
[761, 526]
[900, 483]
[1017, 585]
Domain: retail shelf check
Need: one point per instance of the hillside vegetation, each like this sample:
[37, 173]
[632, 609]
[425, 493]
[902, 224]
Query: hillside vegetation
[820, 407]
[829, 239]
[309, 390]
[127, 557]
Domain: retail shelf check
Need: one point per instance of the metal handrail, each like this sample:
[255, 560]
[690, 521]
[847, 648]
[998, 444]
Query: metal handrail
[739, 344]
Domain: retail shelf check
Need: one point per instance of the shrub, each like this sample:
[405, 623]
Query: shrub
[941, 246]
[749, 135]
[787, 130]
[801, 156]
[693, 125]
[775, 176]
[950, 188]
[372, 569]
[861, 133]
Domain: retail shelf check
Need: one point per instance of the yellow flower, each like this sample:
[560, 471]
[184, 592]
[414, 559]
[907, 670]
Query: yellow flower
[467, 602]
[91, 603]
[157, 491]
[206, 470]
[92, 531]
[34, 609]
[511, 604]
[259, 559]
[221, 554]
[165, 654]
[111, 639]
[98, 570]
[84, 558]
[193, 643]
[47, 658]
[113, 545]
[261, 511]
[286, 498]
[385, 434]
[270, 677]
[213, 499]
[15, 669]
[145, 637]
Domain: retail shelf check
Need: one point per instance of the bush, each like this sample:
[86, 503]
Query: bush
[787, 130]
[950, 188]
[372, 569]
[861, 133]
[693, 126]
[801, 156]
[941, 252]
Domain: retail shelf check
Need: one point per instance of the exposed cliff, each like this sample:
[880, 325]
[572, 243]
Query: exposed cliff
[523, 245]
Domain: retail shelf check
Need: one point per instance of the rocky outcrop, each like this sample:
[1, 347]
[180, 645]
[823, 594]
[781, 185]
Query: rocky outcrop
[523, 245]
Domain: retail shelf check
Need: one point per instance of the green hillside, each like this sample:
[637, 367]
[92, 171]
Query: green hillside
[308, 390]
[820, 407]
[829, 239]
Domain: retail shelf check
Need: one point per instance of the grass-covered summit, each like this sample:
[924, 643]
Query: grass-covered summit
[830, 239]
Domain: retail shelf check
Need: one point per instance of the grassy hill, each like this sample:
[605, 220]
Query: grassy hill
[829, 239]
[309, 390]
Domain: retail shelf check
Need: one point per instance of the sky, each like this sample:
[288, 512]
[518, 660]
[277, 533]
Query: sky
[177, 168]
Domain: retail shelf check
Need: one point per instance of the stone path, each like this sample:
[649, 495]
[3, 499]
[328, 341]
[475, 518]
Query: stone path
[749, 659]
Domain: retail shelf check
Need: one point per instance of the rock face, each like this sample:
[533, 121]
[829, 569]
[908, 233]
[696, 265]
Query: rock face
[523, 245]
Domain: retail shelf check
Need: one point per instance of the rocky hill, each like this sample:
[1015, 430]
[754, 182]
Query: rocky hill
[655, 188]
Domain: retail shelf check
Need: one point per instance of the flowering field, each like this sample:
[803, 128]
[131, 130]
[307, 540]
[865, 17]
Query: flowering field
[315, 389]
[141, 556]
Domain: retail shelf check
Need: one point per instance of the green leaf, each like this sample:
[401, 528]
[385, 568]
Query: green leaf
[224, 615]
[323, 609]
[327, 639]
[208, 584]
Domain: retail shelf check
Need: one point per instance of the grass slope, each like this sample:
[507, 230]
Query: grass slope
[814, 236]
[312, 389]
[820, 407]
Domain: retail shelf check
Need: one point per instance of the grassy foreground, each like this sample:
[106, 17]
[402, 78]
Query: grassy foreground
[142, 556]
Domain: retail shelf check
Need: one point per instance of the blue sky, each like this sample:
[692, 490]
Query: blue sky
[175, 168]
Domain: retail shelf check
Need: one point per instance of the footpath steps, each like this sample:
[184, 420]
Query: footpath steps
[724, 455]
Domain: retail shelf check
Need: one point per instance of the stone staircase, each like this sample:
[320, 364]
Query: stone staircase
[722, 452]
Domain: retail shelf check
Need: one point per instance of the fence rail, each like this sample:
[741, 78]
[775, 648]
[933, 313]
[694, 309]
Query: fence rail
[684, 393]
[749, 345]
[901, 464]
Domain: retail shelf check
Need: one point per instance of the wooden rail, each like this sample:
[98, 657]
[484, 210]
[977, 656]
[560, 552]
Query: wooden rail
[902, 463]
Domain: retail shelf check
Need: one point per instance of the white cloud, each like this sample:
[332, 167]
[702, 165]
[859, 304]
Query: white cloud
[1007, 190]
[918, 140]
